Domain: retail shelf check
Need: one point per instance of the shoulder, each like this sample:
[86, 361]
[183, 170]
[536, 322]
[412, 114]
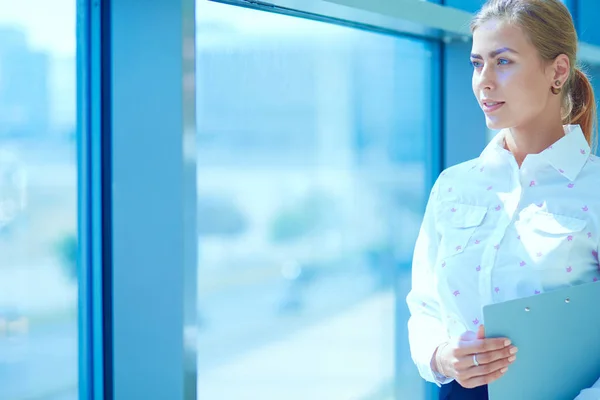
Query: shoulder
[456, 173]
[590, 173]
[594, 163]
[452, 179]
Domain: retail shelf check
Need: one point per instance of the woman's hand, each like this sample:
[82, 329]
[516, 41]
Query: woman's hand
[458, 359]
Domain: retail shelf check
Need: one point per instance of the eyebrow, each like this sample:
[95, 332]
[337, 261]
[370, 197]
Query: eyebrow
[495, 53]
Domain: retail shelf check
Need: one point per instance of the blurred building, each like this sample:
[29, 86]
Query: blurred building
[24, 89]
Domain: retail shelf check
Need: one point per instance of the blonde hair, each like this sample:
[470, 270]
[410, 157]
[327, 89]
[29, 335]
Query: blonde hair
[549, 26]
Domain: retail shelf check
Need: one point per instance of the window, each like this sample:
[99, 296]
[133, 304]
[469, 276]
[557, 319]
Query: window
[38, 201]
[311, 189]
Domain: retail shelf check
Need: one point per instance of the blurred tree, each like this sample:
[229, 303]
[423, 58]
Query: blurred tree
[66, 247]
[306, 217]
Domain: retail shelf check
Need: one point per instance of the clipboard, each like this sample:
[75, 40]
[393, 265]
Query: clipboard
[558, 336]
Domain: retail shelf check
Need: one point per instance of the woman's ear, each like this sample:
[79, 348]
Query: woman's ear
[560, 69]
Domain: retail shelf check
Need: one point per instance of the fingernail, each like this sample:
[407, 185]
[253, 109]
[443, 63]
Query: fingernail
[503, 370]
[511, 359]
[514, 350]
[506, 343]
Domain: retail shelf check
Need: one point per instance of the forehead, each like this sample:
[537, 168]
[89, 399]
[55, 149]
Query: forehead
[495, 34]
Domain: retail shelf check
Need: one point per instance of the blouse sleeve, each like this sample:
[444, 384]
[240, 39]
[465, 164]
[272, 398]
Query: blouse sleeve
[425, 328]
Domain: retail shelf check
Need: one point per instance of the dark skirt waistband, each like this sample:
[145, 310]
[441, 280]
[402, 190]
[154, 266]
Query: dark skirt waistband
[453, 391]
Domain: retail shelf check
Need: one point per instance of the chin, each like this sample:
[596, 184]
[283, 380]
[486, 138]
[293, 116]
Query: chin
[495, 123]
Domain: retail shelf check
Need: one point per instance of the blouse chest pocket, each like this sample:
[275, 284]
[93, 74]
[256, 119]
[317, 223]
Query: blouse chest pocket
[549, 238]
[457, 223]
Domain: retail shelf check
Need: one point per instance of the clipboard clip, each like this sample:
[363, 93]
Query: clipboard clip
[567, 300]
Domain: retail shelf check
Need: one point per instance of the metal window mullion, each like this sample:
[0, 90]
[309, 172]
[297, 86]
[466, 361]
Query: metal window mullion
[153, 199]
[90, 184]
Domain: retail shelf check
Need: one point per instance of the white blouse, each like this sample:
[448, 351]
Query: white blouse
[493, 232]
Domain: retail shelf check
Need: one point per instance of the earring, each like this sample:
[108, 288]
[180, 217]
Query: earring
[556, 90]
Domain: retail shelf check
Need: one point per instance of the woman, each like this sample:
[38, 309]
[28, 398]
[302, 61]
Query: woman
[522, 218]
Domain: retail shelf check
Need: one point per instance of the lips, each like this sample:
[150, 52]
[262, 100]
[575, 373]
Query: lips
[491, 105]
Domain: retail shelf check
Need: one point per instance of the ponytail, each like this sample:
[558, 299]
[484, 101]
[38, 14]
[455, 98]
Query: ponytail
[582, 106]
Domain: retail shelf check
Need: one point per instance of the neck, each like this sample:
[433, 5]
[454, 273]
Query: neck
[522, 141]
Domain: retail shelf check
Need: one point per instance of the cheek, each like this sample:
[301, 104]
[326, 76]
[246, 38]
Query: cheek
[523, 91]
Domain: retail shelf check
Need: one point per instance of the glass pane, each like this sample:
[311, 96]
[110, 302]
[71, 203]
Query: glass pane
[38, 201]
[311, 189]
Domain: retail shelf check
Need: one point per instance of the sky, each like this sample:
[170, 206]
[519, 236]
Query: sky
[50, 24]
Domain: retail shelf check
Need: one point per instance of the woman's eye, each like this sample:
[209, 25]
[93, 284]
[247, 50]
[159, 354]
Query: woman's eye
[476, 64]
[503, 61]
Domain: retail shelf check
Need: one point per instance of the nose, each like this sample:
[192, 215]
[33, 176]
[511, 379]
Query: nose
[486, 79]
